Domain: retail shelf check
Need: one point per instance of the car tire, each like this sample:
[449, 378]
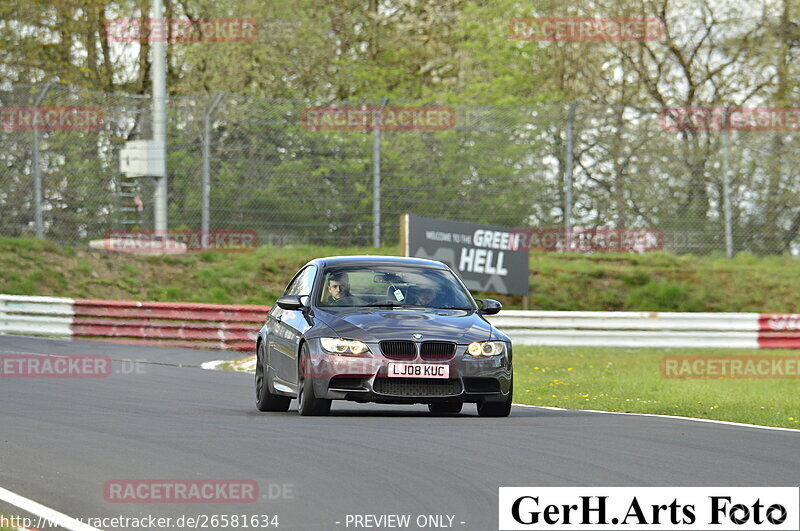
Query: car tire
[443, 408]
[497, 409]
[266, 401]
[308, 405]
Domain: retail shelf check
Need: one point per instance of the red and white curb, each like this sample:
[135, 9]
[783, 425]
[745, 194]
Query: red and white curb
[247, 364]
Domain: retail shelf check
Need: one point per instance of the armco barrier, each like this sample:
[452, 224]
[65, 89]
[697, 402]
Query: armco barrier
[235, 327]
[190, 325]
[218, 326]
[651, 329]
[36, 316]
[630, 329]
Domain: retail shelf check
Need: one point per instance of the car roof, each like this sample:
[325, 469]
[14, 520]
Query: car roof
[366, 260]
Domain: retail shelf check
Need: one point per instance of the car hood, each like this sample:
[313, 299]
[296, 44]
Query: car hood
[372, 324]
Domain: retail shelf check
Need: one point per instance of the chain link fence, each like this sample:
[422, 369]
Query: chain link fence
[293, 183]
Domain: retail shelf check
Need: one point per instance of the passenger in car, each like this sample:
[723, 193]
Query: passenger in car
[421, 295]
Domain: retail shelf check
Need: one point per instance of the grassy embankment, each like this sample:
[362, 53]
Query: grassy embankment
[651, 282]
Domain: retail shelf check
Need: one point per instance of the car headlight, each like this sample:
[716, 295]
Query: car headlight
[481, 349]
[344, 347]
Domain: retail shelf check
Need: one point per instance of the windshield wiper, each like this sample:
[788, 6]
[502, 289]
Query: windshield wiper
[384, 305]
[453, 308]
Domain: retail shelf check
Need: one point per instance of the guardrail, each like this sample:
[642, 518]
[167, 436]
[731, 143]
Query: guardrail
[191, 325]
[229, 327]
[38, 316]
[651, 329]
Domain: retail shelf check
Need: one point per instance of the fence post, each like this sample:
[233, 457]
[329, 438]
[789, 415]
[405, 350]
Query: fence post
[568, 153]
[726, 192]
[158, 68]
[37, 172]
[376, 178]
[205, 215]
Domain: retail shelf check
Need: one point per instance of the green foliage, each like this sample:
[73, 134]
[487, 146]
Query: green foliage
[27, 244]
[663, 296]
[83, 267]
[635, 278]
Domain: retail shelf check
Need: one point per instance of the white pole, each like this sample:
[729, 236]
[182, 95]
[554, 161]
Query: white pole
[376, 179]
[568, 154]
[37, 172]
[159, 71]
[726, 192]
[205, 215]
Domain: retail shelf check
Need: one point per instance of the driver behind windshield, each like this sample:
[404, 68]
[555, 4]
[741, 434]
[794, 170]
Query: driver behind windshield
[338, 287]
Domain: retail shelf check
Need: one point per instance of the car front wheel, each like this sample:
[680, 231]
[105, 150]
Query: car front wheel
[308, 403]
[266, 401]
[497, 409]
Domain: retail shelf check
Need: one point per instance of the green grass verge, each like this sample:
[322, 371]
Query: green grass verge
[649, 282]
[630, 380]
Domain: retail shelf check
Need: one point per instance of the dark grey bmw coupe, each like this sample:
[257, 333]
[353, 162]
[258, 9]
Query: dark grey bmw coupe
[382, 329]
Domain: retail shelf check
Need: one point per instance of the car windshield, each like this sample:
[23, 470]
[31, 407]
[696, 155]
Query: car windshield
[392, 287]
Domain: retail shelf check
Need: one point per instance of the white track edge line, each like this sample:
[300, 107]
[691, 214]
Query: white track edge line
[676, 417]
[47, 513]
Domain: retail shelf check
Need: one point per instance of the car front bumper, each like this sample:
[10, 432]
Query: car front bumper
[364, 378]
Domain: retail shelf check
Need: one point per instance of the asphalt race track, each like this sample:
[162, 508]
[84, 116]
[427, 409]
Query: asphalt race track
[165, 418]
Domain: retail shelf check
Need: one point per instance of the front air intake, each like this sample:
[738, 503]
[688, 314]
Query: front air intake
[437, 350]
[399, 350]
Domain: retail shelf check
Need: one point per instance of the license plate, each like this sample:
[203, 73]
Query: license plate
[418, 370]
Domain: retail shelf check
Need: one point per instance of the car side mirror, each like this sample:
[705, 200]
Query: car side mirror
[488, 306]
[290, 302]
